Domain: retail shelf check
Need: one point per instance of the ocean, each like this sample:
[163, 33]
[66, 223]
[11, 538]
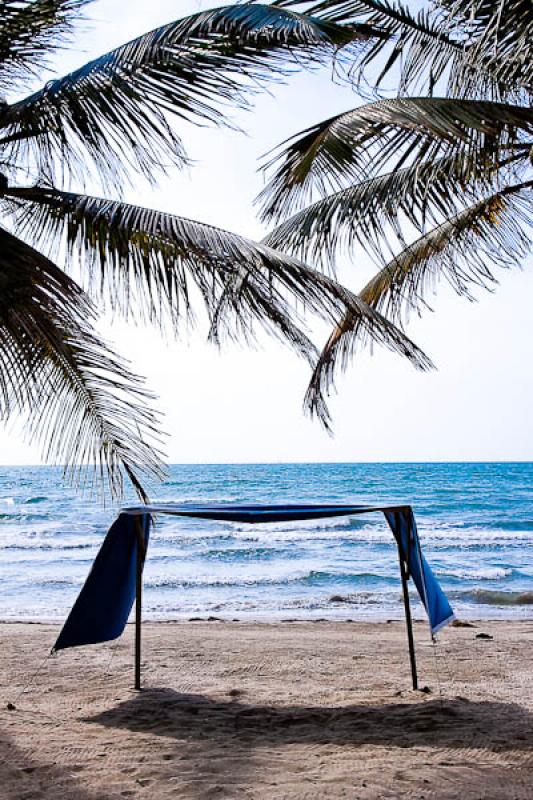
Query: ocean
[475, 522]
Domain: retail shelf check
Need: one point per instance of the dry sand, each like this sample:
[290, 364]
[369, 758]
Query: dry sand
[287, 710]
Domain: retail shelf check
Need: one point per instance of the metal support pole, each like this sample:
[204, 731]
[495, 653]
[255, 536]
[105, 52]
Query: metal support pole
[139, 528]
[408, 620]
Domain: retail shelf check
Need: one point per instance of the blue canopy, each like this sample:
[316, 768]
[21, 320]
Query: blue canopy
[101, 611]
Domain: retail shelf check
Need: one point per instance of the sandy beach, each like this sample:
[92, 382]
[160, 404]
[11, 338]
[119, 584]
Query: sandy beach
[286, 710]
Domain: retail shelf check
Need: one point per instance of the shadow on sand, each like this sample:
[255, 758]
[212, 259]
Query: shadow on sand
[27, 775]
[432, 723]
[222, 740]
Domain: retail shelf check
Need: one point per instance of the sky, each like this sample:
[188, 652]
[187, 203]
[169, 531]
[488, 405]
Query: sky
[245, 405]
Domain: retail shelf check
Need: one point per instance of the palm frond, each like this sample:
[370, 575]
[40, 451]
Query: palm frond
[463, 250]
[29, 30]
[150, 264]
[350, 145]
[113, 109]
[82, 403]
[163, 260]
[499, 42]
[419, 40]
[369, 214]
[482, 49]
[370, 326]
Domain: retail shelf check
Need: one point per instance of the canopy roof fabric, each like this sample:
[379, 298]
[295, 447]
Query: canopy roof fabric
[254, 514]
[101, 611]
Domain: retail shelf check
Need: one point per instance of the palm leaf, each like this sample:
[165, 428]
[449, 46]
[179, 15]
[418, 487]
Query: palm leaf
[369, 326]
[148, 262]
[482, 49]
[113, 109]
[464, 250]
[29, 30]
[368, 214]
[163, 260]
[348, 146]
[82, 403]
[421, 41]
[500, 36]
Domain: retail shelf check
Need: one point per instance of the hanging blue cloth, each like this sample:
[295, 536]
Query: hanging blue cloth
[403, 525]
[101, 611]
[103, 606]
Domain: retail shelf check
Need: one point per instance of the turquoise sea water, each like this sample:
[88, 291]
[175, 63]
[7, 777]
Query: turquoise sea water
[475, 523]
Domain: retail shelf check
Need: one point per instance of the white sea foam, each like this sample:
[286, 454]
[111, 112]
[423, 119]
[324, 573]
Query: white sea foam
[482, 574]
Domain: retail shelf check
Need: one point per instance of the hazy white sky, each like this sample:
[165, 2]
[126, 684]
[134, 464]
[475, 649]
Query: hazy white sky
[246, 405]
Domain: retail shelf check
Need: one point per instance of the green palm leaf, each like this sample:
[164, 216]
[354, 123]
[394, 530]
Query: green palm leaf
[463, 250]
[114, 108]
[348, 146]
[420, 40]
[481, 49]
[366, 327]
[499, 42]
[82, 403]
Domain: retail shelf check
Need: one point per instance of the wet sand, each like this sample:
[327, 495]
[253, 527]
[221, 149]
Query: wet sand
[286, 710]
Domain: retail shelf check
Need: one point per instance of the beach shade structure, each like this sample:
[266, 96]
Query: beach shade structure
[104, 604]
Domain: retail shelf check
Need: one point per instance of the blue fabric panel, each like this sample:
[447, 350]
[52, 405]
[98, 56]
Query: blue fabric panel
[403, 525]
[251, 514]
[104, 603]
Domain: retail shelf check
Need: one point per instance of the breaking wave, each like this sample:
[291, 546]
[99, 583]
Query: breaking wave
[495, 598]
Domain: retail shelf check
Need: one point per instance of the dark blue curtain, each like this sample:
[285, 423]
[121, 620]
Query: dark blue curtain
[105, 601]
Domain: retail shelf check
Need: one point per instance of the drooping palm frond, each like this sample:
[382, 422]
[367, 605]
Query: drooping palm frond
[82, 403]
[464, 250]
[113, 110]
[369, 327]
[350, 145]
[138, 259]
[481, 49]
[499, 42]
[29, 31]
[369, 213]
[419, 40]
[162, 259]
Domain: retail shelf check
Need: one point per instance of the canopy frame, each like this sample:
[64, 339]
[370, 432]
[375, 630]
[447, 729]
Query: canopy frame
[141, 555]
[124, 551]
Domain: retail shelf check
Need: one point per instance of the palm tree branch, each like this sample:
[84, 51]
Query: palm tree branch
[463, 250]
[500, 36]
[189, 67]
[369, 212]
[29, 30]
[371, 327]
[81, 402]
[483, 49]
[162, 260]
[350, 145]
[426, 46]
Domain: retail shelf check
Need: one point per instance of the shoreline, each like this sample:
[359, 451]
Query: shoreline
[521, 614]
[269, 712]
